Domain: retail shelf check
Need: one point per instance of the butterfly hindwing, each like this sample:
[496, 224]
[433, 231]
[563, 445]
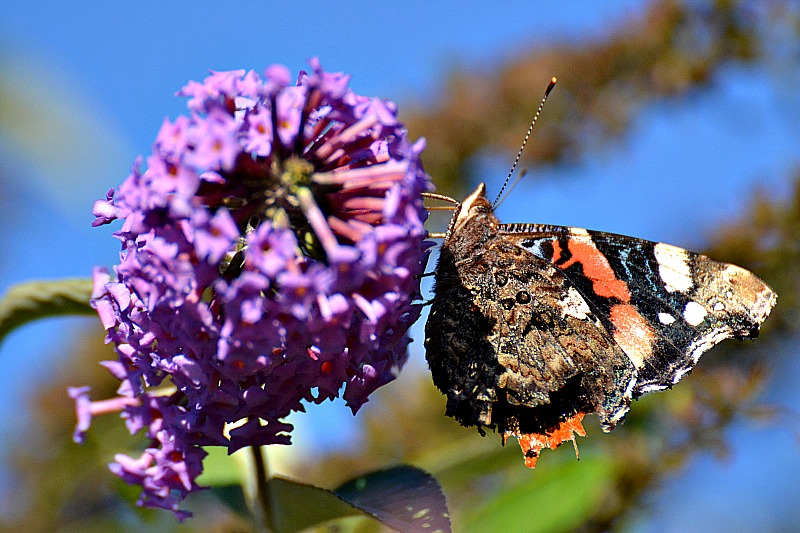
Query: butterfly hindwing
[546, 335]
[665, 306]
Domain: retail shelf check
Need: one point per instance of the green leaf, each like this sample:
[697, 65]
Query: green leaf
[233, 497]
[554, 499]
[32, 300]
[297, 506]
[404, 498]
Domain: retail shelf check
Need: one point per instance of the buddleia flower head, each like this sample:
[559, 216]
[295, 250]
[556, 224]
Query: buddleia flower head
[271, 248]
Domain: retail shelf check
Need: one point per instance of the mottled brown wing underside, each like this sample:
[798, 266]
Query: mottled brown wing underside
[516, 349]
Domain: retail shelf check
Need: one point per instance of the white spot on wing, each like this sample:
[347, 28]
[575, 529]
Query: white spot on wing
[694, 313]
[574, 305]
[698, 347]
[619, 415]
[673, 267]
[535, 247]
[652, 387]
[580, 233]
[629, 388]
[682, 372]
[666, 318]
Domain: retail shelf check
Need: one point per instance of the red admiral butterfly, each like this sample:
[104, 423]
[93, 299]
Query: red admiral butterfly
[532, 326]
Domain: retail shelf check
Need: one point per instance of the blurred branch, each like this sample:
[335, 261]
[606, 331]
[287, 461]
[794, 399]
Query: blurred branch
[673, 48]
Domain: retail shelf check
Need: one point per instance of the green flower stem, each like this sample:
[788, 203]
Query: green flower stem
[263, 496]
[33, 300]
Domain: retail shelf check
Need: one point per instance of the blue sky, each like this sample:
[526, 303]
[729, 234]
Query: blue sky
[97, 79]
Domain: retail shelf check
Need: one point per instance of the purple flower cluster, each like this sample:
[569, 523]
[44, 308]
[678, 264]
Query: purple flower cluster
[271, 249]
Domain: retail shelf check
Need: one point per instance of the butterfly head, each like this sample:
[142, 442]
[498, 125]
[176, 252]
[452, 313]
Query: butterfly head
[474, 205]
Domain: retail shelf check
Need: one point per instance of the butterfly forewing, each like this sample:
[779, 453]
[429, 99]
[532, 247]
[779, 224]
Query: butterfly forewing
[664, 305]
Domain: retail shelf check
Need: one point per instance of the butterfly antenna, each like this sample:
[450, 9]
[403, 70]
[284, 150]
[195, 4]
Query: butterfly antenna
[527, 136]
[521, 174]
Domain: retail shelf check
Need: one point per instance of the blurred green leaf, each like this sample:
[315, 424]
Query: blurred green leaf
[552, 499]
[234, 498]
[33, 300]
[297, 506]
[404, 498]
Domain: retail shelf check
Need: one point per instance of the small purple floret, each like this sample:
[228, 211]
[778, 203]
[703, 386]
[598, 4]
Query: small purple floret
[271, 248]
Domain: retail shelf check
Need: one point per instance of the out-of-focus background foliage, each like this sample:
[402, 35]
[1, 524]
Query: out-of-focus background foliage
[673, 121]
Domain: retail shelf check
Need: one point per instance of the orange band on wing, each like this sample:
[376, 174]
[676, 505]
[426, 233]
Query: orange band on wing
[597, 268]
[631, 331]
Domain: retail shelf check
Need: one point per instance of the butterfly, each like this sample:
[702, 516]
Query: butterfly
[532, 327]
